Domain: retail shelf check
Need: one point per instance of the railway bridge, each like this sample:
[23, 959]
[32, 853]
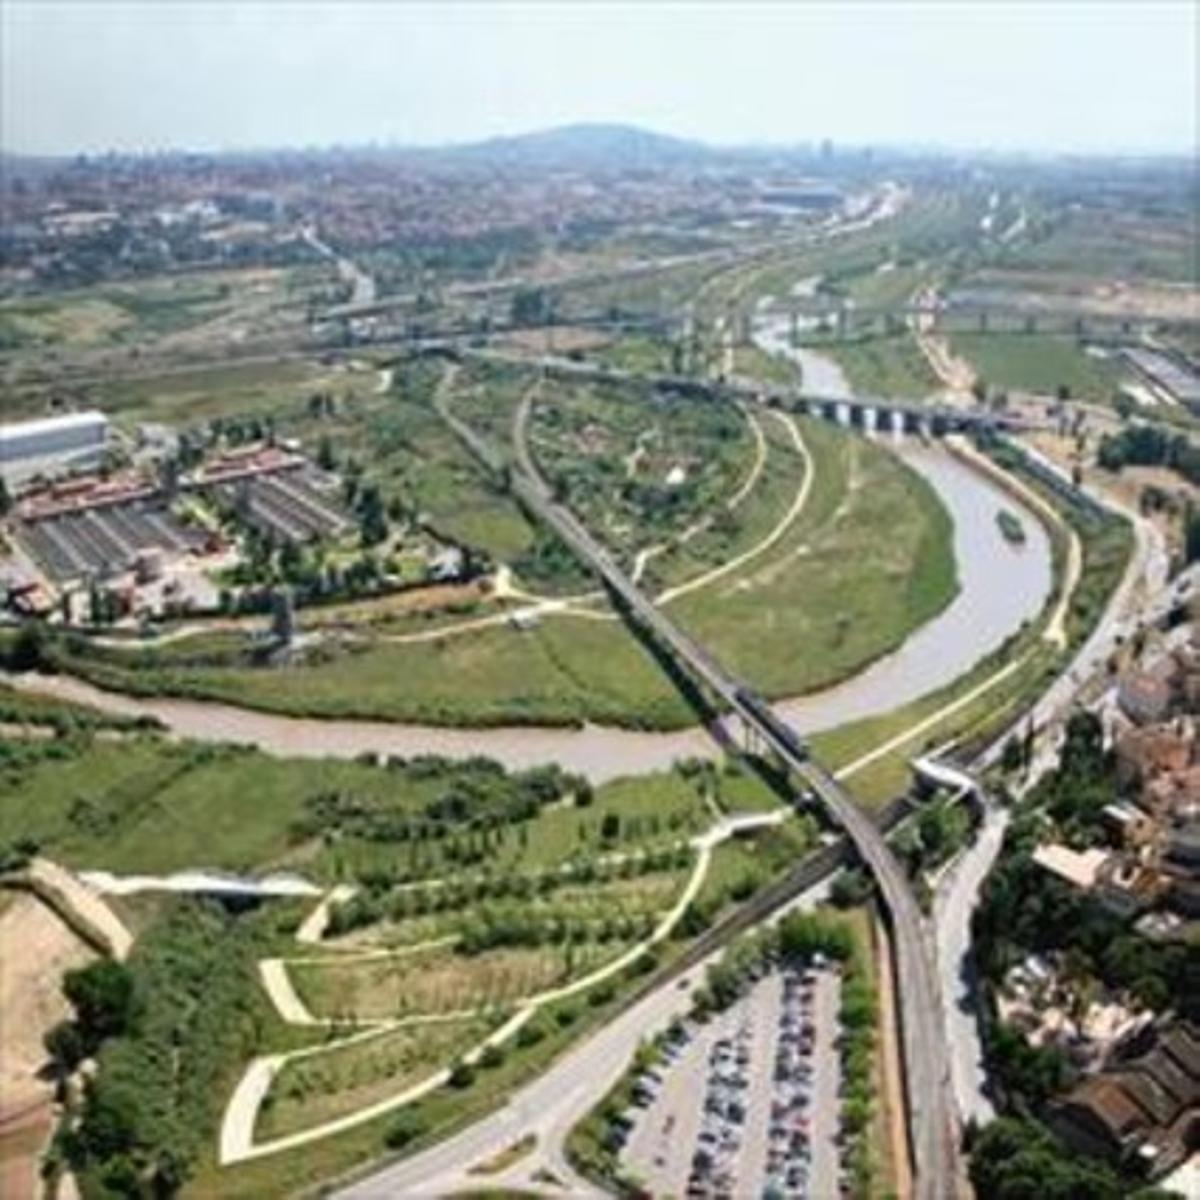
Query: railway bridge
[932, 1126]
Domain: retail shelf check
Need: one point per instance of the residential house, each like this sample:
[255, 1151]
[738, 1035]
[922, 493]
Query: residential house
[1144, 1106]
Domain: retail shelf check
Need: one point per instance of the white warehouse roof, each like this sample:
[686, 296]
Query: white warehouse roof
[20, 431]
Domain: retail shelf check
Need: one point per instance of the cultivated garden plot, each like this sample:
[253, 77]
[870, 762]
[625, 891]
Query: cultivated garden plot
[639, 468]
[442, 979]
[617, 910]
[360, 1070]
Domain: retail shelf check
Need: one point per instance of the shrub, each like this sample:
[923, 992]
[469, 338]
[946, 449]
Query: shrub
[462, 1075]
[407, 1127]
[491, 1057]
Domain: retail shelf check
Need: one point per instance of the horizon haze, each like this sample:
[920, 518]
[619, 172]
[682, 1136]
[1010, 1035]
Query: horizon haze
[1008, 77]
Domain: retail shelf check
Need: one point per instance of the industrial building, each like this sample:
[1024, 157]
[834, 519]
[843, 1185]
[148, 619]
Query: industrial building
[1169, 373]
[49, 445]
[101, 543]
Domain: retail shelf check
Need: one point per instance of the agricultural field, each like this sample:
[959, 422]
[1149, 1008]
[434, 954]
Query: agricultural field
[737, 529]
[618, 894]
[1111, 243]
[154, 307]
[640, 354]
[189, 398]
[442, 980]
[1037, 363]
[640, 469]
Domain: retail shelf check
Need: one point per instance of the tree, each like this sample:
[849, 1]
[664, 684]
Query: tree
[1012, 758]
[373, 526]
[1020, 1160]
[932, 826]
[462, 1075]
[610, 827]
[851, 888]
[531, 306]
[28, 652]
[1192, 534]
[102, 995]
[325, 456]
[65, 1047]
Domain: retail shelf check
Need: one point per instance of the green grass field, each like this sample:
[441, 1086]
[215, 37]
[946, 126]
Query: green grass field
[348, 1077]
[441, 980]
[868, 559]
[142, 309]
[1036, 363]
[146, 805]
[885, 366]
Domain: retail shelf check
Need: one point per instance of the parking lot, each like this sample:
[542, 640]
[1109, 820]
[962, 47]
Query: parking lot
[747, 1104]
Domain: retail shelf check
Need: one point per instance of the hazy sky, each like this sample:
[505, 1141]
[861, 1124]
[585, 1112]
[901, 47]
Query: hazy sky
[1079, 75]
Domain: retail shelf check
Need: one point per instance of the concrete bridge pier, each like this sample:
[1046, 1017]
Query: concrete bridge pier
[842, 414]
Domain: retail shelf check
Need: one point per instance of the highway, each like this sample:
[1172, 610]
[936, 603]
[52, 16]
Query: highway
[931, 1121]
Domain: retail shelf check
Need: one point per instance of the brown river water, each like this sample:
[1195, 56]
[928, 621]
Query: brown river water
[1000, 586]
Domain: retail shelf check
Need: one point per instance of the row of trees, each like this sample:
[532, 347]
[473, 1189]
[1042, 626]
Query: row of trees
[476, 795]
[494, 926]
[378, 902]
[1145, 445]
[167, 1029]
[1019, 1159]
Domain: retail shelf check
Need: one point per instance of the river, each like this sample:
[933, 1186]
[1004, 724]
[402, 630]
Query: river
[1001, 586]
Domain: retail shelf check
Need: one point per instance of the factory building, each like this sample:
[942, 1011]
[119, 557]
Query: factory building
[49, 445]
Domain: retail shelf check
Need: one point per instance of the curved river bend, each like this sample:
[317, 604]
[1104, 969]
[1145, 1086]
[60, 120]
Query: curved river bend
[1000, 586]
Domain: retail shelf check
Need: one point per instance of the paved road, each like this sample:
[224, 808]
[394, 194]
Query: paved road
[1144, 595]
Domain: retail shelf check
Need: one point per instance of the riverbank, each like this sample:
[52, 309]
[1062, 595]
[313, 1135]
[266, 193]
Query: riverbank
[979, 620]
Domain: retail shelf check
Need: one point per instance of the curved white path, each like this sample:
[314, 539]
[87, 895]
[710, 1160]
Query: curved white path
[237, 1127]
[781, 527]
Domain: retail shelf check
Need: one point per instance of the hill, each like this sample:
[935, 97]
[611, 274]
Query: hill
[585, 146]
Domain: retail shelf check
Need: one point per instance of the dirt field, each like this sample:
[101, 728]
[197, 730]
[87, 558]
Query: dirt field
[560, 339]
[36, 948]
[1116, 298]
